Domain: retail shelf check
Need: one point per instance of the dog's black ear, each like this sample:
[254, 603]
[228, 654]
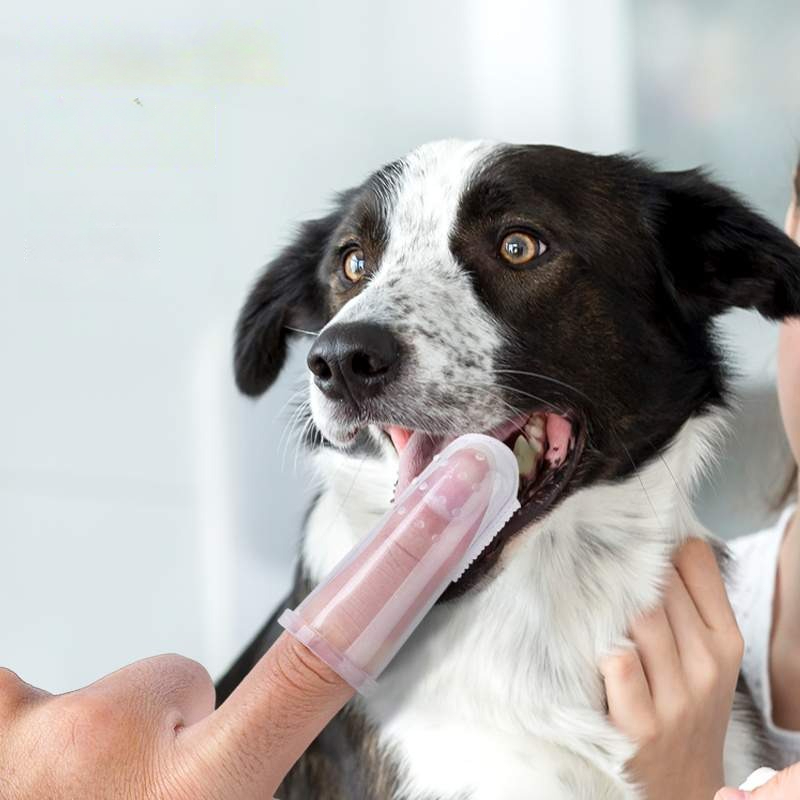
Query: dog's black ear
[288, 294]
[719, 253]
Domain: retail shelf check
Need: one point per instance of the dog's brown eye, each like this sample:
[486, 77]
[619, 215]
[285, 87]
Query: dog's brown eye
[519, 248]
[354, 265]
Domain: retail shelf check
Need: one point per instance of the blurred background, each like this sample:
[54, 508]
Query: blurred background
[155, 155]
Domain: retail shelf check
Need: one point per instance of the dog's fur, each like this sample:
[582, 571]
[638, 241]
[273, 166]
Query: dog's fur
[497, 695]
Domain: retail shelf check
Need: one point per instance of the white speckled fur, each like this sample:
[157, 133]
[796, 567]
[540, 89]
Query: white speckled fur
[423, 212]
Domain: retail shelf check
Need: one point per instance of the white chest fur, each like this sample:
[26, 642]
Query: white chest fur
[497, 696]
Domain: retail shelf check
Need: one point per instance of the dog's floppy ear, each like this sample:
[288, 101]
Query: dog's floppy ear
[720, 253]
[288, 294]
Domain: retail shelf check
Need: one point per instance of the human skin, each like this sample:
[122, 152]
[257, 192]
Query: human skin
[662, 763]
[785, 639]
[672, 692]
[150, 732]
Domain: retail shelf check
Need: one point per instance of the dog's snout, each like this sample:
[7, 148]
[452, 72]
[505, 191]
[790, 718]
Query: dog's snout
[354, 360]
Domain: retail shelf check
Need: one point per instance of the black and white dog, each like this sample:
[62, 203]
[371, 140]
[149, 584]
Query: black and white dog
[563, 302]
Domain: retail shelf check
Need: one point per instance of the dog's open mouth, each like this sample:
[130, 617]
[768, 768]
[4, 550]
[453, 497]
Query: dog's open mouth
[547, 446]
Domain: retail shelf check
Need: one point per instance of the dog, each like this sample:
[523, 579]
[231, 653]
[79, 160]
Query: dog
[564, 303]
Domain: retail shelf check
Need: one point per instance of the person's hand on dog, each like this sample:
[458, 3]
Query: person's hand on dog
[672, 694]
[150, 730]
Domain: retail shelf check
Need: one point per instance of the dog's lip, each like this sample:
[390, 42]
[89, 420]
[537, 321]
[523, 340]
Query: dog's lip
[400, 435]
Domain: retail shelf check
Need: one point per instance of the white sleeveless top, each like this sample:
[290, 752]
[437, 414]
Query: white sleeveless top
[751, 590]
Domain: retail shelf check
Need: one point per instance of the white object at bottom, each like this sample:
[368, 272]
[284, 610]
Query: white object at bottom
[758, 778]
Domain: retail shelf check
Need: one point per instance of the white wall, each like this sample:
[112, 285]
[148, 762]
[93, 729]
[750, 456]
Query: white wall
[717, 84]
[154, 156]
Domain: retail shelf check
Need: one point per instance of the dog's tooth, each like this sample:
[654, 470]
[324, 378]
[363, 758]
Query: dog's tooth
[534, 428]
[526, 457]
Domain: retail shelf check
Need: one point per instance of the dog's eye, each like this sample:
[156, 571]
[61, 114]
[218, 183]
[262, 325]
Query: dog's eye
[519, 248]
[354, 265]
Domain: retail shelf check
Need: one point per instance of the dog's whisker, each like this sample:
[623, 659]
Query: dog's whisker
[528, 394]
[291, 424]
[301, 389]
[346, 497]
[287, 427]
[515, 410]
[301, 441]
[544, 378]
[638, 474]
[291, 427]
[678, 487]
[300, 330]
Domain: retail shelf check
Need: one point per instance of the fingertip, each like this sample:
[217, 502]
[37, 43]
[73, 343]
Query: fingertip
[694, 548]
[696, 558]
[620, 665]
[731, 794]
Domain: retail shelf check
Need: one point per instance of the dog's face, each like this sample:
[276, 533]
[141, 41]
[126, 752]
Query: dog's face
[557, 300]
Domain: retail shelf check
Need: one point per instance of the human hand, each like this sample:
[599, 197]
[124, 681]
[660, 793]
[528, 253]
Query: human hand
[783, 786]
[150, 730]
[672, 694]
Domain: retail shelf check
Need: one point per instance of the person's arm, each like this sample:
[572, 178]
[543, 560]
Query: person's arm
[672, 693]
[150, 729]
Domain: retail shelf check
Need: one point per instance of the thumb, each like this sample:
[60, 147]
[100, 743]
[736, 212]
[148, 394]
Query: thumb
[271, 718]
[783, 786]
[357, 618]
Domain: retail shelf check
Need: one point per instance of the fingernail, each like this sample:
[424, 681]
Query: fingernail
[362, 613]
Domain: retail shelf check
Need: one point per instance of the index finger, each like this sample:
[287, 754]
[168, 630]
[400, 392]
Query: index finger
[374, 599]
[385, 583]
[697, 565]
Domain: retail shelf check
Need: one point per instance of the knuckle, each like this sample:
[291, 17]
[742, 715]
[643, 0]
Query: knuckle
[167, 682]
[623, 667]
[403, 554]
[174, 669]
[13, 691]
[680, 711]
[649, 732]
[86, 719]
[195, 677]
[8, 680]
[82, 727]
[734, 644]
[708, 674]
[298, 668]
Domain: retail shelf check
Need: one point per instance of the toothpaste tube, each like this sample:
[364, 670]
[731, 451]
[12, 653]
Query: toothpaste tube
[362, 613]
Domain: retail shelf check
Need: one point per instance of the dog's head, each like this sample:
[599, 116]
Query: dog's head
[558, 300]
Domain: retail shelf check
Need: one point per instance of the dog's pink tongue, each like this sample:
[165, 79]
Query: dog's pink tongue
[415, 456]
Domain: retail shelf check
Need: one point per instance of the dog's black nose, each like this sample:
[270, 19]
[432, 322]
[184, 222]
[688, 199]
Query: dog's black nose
[354, 360]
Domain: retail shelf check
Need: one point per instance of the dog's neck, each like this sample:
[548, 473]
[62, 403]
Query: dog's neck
[520, 653]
